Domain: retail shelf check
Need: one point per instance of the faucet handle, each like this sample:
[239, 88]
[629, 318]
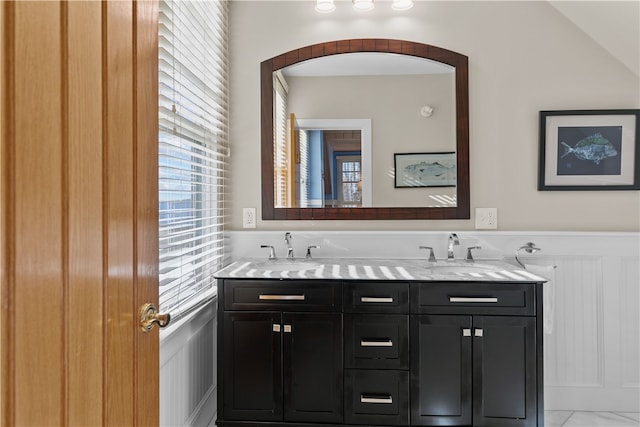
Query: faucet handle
[308, 255]
[469, 256]
[272, 251]
[432, 256]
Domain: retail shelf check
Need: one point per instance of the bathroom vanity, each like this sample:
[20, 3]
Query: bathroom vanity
[379, 342]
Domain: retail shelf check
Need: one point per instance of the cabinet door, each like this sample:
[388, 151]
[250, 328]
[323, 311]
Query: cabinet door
[504, 371]
[312, 364]
[440, 370]
[252, 374]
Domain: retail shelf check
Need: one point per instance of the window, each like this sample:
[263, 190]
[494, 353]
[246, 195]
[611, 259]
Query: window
[193, 149]
[281, 148]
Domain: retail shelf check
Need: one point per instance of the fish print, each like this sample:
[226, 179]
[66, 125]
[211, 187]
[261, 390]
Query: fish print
[423, 171]
[594, 148]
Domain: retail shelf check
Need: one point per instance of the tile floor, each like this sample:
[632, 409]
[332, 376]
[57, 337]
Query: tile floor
[590, 419]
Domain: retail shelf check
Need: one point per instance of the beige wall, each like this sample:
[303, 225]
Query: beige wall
[523, 57]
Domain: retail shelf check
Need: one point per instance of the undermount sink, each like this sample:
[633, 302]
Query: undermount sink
[286, 265]
[455, 267]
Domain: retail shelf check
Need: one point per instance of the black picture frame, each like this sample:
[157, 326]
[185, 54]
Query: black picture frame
[592, 150]
[419, 170]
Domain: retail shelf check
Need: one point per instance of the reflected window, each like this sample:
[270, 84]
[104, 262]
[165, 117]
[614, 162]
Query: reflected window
[350, 184]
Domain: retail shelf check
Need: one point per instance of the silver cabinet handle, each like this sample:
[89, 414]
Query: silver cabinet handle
[287, 329]
[478, 332]
[376, 299]
[282, 297]
[473, 299]
[385, 342]
[466, 332]
[276, 327]
[375, 399]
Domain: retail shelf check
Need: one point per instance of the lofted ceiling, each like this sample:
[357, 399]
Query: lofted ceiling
[614, 25]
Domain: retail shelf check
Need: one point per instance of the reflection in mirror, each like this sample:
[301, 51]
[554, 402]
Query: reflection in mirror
[333, 163]
[414, 98]
[392, 91]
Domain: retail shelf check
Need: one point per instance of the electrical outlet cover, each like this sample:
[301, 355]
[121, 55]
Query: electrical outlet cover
[486, 218]
[249, 217]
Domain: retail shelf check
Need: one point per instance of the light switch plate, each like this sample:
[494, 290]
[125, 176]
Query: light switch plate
[486, 218]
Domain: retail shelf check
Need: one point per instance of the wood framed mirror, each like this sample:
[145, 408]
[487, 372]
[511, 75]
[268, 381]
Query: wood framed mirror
[456, 206]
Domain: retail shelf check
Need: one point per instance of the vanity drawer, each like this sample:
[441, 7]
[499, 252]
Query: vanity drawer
[290, 295]
[376, 397]
[374, 297]
[474, 298]
[376, 341]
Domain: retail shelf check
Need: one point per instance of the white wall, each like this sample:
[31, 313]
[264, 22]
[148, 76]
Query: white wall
[523, 57]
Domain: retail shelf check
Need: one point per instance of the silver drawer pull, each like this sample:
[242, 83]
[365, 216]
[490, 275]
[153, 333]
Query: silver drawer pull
[282, 297]
[373, 343]
[377, 299]
[473, 299]
[375, 399]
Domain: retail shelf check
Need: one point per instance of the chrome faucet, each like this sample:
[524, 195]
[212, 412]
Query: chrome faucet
[287, 241]
[453, 241]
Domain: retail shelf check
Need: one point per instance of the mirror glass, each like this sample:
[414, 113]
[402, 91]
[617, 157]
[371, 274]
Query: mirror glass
[359, 134]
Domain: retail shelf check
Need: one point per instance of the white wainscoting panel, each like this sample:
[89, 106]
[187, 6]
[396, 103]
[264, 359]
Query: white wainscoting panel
[592, 355]
[574, 351]
[630, 330]
[188, 370]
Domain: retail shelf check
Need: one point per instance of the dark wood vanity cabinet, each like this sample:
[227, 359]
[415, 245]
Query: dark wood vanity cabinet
[332, 353]
[474, 355]
[281, 353]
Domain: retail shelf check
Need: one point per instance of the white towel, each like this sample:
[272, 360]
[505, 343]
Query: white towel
[548, 293]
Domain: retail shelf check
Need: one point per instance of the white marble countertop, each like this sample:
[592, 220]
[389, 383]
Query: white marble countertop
[377, 269]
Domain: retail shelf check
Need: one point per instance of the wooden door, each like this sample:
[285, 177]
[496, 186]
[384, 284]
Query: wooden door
[79, 222]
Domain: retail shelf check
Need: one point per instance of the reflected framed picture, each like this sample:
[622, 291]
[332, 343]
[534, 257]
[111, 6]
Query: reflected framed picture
[425, 169]
[589, 150]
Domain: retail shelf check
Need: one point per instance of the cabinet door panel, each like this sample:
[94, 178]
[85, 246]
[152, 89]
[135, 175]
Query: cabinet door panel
[252, 375]
[312, 363]
[504, 371]
[440, 370]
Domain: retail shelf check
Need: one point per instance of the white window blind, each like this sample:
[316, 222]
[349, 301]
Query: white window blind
[281, 149]
[193, 149]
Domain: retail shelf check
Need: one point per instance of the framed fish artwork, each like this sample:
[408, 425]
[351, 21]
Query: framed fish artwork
[425, 169]
[589, 150]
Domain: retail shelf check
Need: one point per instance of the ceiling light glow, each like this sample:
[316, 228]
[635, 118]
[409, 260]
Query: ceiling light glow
[402, 4]
[363, 5]
[325, 6]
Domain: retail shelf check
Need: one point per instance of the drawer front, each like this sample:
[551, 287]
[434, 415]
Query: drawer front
[376, 341]
[473, 298]
[282, 295]
[376, 397]
[372, 297]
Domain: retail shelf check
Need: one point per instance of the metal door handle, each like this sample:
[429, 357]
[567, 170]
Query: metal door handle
[466, 332]
[473, 299]
[478, 332]
[281, 297]
[276, 327]
[287, 329]
[384, 342]
[376, 399]
[376, 299]
[149, 317]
